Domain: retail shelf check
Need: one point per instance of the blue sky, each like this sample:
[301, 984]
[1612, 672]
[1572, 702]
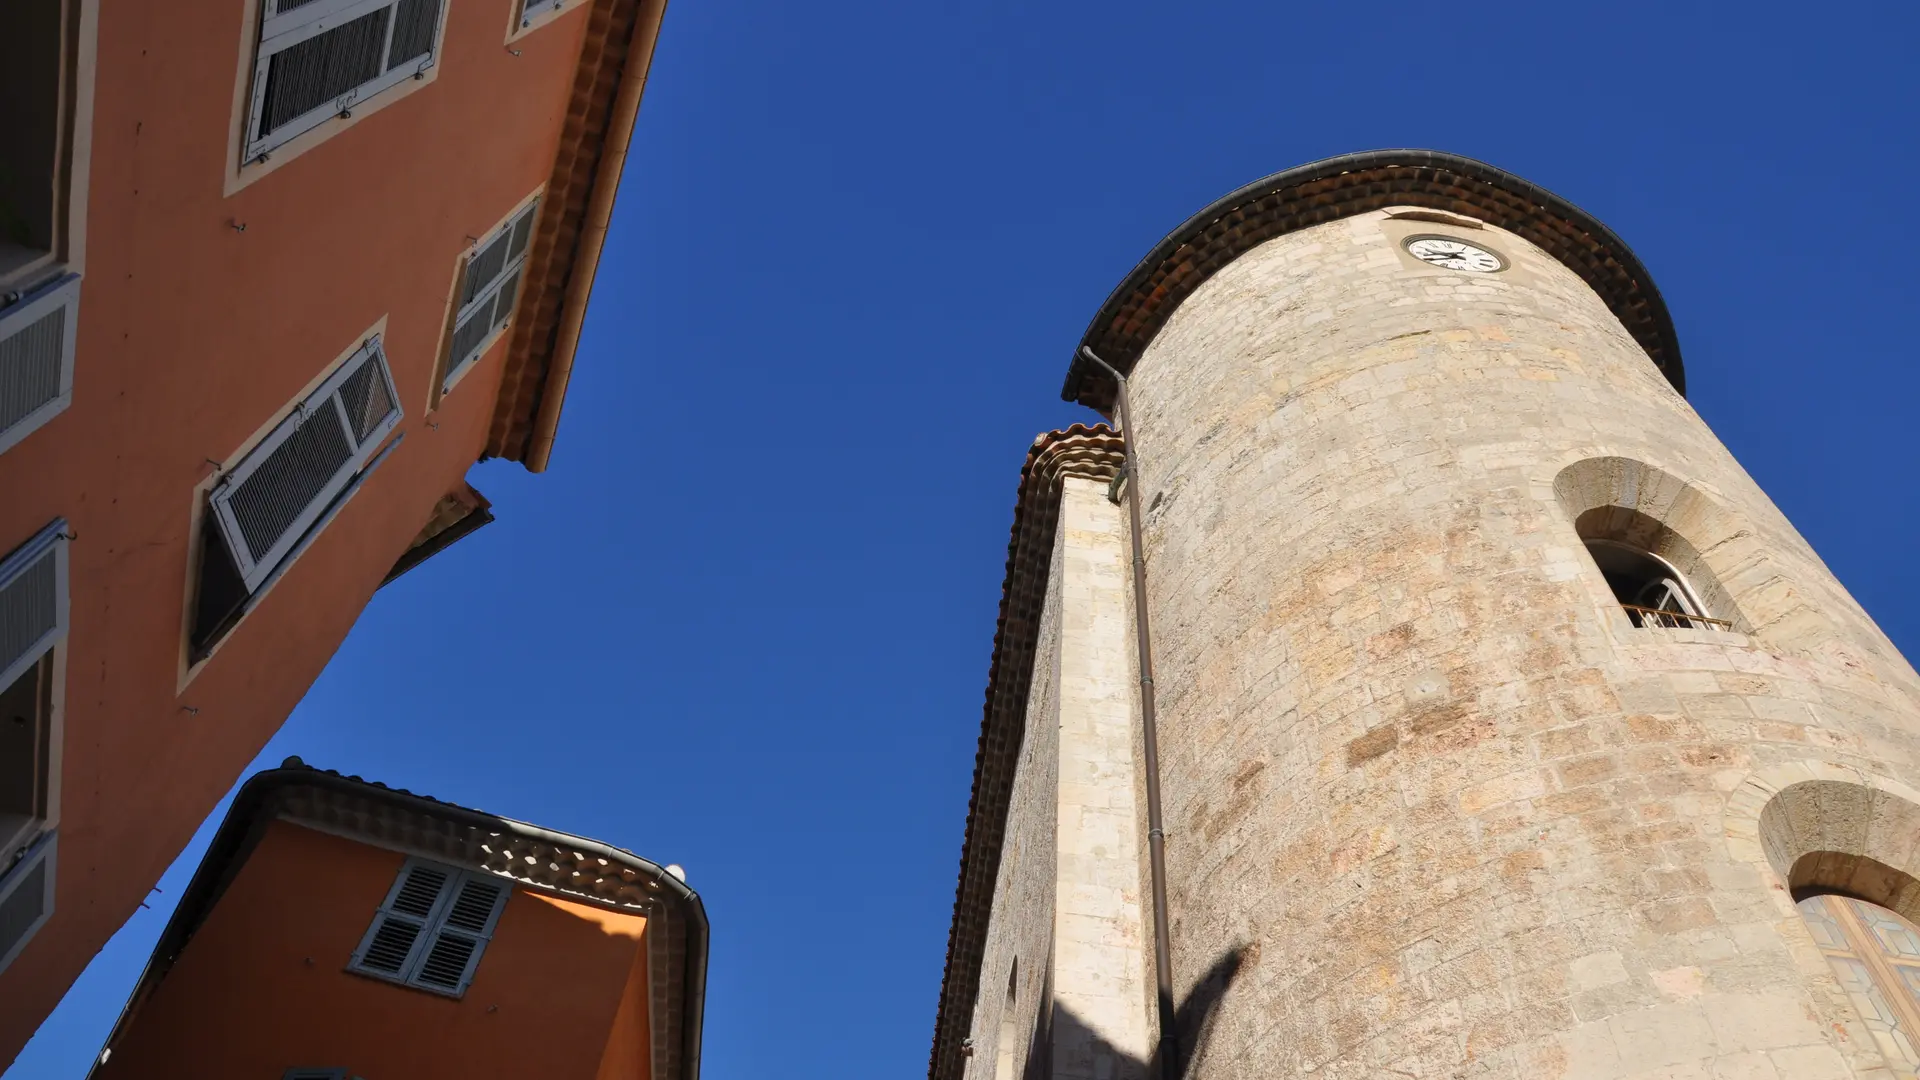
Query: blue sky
[743, 624]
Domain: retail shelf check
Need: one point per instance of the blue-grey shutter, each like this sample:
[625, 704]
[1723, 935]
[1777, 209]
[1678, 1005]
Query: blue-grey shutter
[531, 8]
[269, 501]
[461, 934]
[33, 600]
[489, 289]
[36, 357]
[317, 58]
[401, 928]
[26, 896]
[432, 928]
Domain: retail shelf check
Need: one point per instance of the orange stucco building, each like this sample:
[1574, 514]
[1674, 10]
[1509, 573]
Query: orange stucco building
[273, 275]
[341, 929]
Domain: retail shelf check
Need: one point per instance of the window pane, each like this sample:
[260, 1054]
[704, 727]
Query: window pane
[1875, 954]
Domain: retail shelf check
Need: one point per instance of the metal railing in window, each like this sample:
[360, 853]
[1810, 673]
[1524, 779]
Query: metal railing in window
[1650, 617]
[319, 58]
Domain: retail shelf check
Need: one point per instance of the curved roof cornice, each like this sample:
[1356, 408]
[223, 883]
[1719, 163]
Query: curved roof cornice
[542, 860]
[1341, 187]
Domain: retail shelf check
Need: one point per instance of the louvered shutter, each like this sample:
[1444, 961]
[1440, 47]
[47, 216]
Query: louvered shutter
[26, 897]
[33, 601]
[36, 357]
[267, 503]
[531, 8]
[434, 925]
[401, 928]
[317, 58]
[462, 935]
[489, 288]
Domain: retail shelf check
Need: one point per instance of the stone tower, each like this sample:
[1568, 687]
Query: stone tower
[1502, 718]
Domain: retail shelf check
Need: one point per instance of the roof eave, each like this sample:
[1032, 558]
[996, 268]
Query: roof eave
[1342, 187]
[541, 353]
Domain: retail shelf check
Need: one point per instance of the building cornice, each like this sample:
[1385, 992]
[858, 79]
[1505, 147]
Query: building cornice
[1341, 187]
[1093, 453]
[605, 100]
[571, 867]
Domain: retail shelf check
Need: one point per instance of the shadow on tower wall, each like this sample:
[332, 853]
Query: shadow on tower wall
[1075, 1051]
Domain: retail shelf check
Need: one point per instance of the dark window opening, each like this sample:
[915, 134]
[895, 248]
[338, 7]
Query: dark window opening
[221, 598]
[32, 62]
[1649, 588]
[1004, 1066]
[26, 709]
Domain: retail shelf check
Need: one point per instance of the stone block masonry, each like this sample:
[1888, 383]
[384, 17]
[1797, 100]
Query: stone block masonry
[1473, 817]
[1438, 805]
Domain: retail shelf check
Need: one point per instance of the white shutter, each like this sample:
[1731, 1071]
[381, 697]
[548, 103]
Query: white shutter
[489, 288]
[26, 897]
[462, 935]
[317, 58]
[33, 600]
[267, 503]
[531, 8]
[36, 357]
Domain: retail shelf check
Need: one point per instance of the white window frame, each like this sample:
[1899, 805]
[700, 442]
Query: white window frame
[310, 19]
[62, 292]
[513, 268]
[49, 543]
[43, 852]
[1675, 582]
[322, 406]
[433, 926]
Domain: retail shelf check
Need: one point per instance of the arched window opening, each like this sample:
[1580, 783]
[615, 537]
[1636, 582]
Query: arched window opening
[1003, 1065]
[1875, 955]
[1650, 589]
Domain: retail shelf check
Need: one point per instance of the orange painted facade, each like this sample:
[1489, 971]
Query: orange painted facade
[213, 298]
[560, 991]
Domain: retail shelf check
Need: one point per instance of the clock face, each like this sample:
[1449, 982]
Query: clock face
[1451, 254]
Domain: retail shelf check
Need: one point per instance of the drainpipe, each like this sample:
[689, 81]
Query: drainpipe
[1143, 648]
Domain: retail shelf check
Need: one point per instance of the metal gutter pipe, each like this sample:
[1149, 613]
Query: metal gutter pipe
[1169, 1052]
